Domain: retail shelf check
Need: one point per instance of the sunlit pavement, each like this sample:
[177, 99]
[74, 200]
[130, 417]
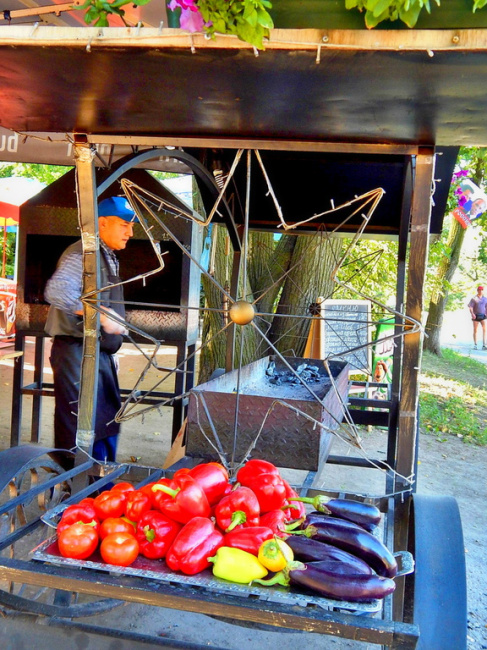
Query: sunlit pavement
[457, 334]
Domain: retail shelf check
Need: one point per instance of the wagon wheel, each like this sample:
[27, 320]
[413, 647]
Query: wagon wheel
[31, 483]
[436, 591]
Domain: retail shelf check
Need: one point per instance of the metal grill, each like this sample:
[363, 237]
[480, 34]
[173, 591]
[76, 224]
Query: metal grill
[287, 439]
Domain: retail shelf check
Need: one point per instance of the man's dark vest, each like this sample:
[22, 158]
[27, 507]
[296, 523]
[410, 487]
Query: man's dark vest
[61, 323]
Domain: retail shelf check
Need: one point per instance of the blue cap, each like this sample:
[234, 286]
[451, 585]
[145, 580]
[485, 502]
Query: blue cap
[117, 206]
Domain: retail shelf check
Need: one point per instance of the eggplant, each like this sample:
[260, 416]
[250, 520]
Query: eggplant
[333, 579]
[324, 580]
[352, 538]
[364, 514]
[306, 550]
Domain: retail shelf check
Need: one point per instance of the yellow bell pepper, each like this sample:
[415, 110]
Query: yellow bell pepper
[275, 554]
[235, 565]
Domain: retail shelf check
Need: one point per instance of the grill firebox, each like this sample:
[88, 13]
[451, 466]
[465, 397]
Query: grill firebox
[287, 439]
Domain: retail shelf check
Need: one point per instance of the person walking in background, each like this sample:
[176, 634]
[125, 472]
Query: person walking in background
[65, 325]
[478, 307]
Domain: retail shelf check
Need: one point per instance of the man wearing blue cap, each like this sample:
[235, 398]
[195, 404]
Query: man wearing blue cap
[65, 324]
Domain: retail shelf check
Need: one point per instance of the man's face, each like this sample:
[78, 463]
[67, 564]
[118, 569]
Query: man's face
[115, 232]
[478, 206]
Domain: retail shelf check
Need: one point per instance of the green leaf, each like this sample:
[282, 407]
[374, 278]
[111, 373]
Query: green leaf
[219, 26]
[251, 17]
[478, 4]
[120, 3]
[381, 7]
[265, 18]
[411, 17]
[85, 5]
[91, 15]
[252, 35]
[248, 10]
[351, 4]
[102, 21]
[371, 5]
[372, 21]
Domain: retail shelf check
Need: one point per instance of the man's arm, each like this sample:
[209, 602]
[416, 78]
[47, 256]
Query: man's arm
[63, 289]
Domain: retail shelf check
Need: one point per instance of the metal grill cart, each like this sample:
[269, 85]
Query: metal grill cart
[328, 112]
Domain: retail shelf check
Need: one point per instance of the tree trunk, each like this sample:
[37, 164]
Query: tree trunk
[267, 270]
[439, 296]
[309, 277]
[214, 350]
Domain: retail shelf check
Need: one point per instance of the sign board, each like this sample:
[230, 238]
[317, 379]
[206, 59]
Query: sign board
[8, 299]
[472, 202]
[347, 326]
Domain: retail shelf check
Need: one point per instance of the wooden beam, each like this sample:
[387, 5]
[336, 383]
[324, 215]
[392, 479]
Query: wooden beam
[425, 40]
[254, 143]
[418, 257]
[41, 11]
[88, 212]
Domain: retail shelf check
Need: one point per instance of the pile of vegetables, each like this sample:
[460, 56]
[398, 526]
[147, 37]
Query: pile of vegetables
[243, 531]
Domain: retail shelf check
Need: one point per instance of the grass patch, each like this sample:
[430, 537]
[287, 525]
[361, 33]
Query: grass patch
[453, 392]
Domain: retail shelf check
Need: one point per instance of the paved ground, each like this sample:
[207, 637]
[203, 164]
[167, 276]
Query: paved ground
[457, 334]
[452, 468]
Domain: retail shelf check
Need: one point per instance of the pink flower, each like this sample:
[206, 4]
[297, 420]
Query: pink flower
[183, 4]
[191, 20]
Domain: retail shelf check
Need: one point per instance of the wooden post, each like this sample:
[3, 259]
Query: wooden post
[406, 461]
[418, 256]
[315, 345]
[88, 220]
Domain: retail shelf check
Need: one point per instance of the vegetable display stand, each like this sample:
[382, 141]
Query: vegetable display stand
[35, 562]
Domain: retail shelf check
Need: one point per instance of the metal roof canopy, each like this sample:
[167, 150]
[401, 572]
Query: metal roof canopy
[350, 107]
[399, 87]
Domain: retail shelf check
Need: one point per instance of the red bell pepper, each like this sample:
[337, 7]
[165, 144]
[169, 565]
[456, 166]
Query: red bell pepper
[83, 512]
[248, 539]
[264, 479]
[137, 504]
[110, 504]
[239, 509]
[123, 486]
[155, 534]
[212, 477]
[147, 489]
[194, 544]
[181, 498]
[254, 467]
[276, 520]
[295, 509]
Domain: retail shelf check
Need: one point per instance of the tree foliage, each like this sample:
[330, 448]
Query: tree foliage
[445, 255]
[44, 173]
